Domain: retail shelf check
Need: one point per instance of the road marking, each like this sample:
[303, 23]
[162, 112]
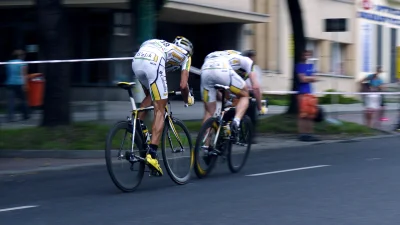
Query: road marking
[373, 159]
[288, 170]
[18, 208]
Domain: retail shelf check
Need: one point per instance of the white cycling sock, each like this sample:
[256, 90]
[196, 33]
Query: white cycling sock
[237, 120]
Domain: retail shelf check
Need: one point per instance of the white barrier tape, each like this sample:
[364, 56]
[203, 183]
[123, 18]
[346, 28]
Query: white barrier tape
[68, 60]
[279, 92]
[195, 70]
[192, 69]
[335, 93]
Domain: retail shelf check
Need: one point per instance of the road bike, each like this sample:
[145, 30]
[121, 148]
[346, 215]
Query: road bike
[222, 143]
[139, 137]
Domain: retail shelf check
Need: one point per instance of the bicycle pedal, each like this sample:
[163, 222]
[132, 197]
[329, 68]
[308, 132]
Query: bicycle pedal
[129, 156]
[155, 173]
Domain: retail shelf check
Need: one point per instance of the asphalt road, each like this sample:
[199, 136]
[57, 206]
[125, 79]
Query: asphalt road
[353, 183]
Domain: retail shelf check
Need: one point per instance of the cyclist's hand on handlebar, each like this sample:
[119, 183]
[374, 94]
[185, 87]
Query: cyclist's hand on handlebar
[263, 110]
[190, 101]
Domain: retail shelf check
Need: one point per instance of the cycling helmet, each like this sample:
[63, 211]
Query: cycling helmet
[249, 53]
[233, 52]
[216, 54]
[184, 43]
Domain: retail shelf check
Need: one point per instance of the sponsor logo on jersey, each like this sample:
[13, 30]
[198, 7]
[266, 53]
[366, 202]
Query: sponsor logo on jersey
[178, 57]
[173, 63]
[232, 52]
[234, 62]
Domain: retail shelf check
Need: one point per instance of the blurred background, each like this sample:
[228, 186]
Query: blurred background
[82, 29]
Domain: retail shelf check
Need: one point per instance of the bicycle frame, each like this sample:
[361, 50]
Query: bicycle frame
[134, 117]
[221, 114]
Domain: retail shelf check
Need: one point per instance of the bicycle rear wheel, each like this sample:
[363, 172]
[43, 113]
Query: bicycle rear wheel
[204, 159]
[241, 149]
[177, 151]
[120, 169]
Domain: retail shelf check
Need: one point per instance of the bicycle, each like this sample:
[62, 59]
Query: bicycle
[140, 138]
[221, 145]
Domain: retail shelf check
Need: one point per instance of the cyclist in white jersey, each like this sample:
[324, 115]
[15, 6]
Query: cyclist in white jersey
[150, 64]
[228, 68]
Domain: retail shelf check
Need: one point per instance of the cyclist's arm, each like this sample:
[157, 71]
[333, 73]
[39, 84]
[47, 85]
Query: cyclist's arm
[256, 88]
[248, 65]
[184, 79]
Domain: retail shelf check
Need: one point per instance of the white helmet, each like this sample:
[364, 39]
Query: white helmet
[216, 54]
[233, 52]
[184, 43]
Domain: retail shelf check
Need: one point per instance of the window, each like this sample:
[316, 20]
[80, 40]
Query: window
[312, 45]
[122, 24]
[337, 58]
[121, 47]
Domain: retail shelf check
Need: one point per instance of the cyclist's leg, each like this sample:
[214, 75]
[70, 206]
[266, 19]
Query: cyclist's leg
[141, 68]
[145, 103]
[209, 97]
[238, 87]
[152, 76]
[159, 94]
[208, 93]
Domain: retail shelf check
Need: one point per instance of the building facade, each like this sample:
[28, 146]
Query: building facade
[108, 28]
[378, 35]
[334, 52]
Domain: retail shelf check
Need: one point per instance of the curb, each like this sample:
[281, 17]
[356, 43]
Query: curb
[99, 154]
[75, 154]
[50, 168]
[54, 154]
[302, 144]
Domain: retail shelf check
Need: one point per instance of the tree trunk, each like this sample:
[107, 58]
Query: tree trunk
[53, 42]
[299, 46]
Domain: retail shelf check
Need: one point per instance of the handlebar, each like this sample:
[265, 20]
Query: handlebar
[174, 93]
[177, 93]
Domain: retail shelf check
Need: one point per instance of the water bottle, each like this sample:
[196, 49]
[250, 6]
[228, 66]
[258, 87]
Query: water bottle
[227, 129]
[146, 133]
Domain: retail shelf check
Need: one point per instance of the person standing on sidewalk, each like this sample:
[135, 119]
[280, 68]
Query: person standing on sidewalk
[375, 82]
[16, 84]
[306, 100]
[372, 107]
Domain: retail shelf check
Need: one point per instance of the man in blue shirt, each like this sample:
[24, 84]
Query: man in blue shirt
[16, 84]
[307, 101]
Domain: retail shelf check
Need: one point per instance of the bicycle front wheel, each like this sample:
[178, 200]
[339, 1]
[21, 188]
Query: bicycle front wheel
[177, 150]
[117, 154]
[239, 152]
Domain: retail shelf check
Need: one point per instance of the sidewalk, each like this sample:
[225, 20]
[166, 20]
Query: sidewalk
[115, 111]
[10, 166]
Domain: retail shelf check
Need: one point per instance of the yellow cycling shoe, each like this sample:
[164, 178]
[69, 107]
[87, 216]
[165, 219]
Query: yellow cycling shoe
[154, 165]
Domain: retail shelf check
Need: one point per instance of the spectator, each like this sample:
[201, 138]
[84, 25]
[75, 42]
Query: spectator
[374, 81]
[372, 107]
[16, 85]
[306, 100]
